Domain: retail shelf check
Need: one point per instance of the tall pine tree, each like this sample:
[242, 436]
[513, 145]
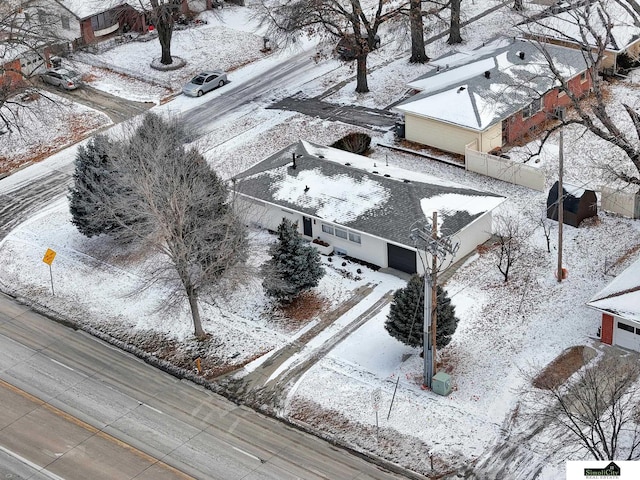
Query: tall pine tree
[406, 315]
[294, 266]
[94, 183]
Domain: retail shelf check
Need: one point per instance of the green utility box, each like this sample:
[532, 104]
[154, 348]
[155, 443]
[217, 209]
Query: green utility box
[441, 383]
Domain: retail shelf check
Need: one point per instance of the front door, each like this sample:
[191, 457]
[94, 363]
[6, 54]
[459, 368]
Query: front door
[306, 227]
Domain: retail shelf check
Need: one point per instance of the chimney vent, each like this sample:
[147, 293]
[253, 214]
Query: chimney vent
[521, 55]
[461, 89]
[306, 188]
[293, 157]
[487, 74]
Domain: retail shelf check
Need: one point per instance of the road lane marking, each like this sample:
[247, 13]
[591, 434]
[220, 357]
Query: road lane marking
[62, 364]
[247, 453]
[29, 463]
[151, 408]
[61, 413]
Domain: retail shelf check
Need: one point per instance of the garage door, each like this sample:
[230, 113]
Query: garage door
[627, 335]
[401, 259]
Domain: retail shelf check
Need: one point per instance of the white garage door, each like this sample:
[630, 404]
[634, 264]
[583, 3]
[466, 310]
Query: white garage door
[627, 335]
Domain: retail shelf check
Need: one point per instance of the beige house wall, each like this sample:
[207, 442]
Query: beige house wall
[438, 134]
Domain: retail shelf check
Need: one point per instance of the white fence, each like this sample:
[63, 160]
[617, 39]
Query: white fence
[623, 203]
[503, 169]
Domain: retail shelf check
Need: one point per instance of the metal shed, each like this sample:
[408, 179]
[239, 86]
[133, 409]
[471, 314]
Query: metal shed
[579, 203]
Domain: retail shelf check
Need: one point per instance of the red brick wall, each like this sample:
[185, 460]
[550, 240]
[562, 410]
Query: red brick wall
[10, 78]
[86, 31]
[11, 72]
[606, 333]
[517, 126]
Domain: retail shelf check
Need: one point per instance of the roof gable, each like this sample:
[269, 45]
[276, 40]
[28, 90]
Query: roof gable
[323, 185]
[83, 9]
[622, 296]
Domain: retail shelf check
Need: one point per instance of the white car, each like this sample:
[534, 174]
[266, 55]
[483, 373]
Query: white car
[62, 77]
[205, 82]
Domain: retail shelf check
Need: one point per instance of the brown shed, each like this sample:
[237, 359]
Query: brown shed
[579, 203]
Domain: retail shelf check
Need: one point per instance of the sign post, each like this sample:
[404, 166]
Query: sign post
[49, 255]
[376, 395]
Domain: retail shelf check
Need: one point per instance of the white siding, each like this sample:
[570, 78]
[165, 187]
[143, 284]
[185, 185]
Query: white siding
[437, 134]
[491, 138]
[624, 338]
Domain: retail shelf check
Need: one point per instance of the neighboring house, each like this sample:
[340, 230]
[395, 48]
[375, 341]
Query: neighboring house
[578, 204]
[562, 26]
[18, 63]
[86, 22]
[362, 210]
[491, 96]
[619, 303]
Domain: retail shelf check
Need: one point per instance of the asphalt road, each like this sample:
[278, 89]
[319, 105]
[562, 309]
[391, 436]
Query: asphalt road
[118, 109]
[172, 426]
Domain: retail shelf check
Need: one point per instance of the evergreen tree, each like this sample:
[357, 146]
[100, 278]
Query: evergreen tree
[94, 184]
[406, 315]
[294, 266]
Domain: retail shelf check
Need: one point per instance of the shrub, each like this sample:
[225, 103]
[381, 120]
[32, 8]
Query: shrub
[354, 142]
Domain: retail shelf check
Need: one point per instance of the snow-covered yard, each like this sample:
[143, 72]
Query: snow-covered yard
[504, 329]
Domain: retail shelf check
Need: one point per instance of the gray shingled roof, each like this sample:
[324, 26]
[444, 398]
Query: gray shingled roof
[479, 88]
[389, 218]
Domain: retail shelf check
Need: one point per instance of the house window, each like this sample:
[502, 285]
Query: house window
[327, 229]
[583, 77]
[341, 233]
[624, 326]
[65, 22]
[562, 93]
[102, 21]
[532, 108]
[354, 237]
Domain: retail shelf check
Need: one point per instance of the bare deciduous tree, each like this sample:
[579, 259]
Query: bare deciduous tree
[597, 412]
[170, 201]
[510, 244]
[162, 14]
[418, 53]
[27, 28]
[590, 27]
[332, 18]
[454, 25]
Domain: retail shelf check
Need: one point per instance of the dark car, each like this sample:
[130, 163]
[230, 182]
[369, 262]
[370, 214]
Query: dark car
[347, 48]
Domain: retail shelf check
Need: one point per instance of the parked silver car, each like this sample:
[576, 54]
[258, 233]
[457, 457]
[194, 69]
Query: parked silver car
[205, 82]
[62, 77]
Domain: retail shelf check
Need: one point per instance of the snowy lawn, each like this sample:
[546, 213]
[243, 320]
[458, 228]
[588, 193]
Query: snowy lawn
[101, 287]
[213, 45]
[47, 124]
[504, 329]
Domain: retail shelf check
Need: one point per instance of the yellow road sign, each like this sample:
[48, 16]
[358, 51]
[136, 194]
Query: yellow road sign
[49, 256]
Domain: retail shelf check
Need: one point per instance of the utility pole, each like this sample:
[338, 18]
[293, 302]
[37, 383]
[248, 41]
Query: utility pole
[560, 198]
[439, 248]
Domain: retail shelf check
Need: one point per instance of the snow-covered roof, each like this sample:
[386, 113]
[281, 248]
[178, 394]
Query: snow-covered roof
[478, 88]
[328, 184]
[82, 9]
[566, 25]
[622, 296]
